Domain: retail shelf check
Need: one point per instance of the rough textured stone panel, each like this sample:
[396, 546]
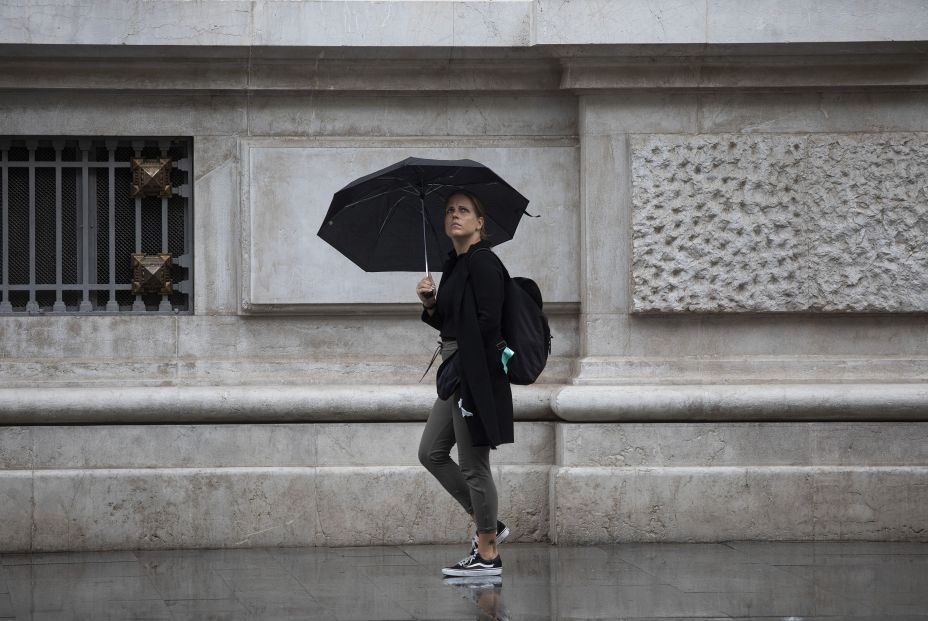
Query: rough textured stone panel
[780, 223]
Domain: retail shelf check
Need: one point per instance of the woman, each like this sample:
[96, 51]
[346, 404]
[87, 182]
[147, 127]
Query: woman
[476, 411]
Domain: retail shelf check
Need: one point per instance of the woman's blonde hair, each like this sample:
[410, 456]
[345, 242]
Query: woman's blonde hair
[478, 208]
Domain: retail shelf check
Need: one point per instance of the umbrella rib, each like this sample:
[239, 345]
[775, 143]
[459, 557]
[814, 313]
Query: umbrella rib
[370, 197]
[389, 215]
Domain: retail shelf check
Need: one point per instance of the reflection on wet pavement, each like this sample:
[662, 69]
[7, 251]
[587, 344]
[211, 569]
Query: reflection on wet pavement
[761, 581]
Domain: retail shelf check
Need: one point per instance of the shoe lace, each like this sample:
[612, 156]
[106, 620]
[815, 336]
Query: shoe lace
[467, 560]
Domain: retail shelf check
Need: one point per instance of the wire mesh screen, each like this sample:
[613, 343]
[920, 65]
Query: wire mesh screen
[70, 226]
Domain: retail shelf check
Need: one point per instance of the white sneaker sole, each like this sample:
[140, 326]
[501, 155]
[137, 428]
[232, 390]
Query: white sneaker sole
[475, 582]
[489, 571]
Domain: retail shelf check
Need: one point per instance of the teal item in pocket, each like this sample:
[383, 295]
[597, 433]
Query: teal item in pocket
[505, 355]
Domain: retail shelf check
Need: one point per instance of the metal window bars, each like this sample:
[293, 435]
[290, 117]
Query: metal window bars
[68, 225]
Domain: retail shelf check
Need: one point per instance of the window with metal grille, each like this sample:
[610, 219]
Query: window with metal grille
[71, 225]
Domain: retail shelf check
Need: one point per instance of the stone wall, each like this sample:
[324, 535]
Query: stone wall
[729, 247]
[780, 223]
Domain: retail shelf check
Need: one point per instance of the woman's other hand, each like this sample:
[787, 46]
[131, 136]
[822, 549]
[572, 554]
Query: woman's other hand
[425, 289]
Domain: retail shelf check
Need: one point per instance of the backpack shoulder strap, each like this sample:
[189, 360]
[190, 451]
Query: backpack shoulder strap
[506, 275]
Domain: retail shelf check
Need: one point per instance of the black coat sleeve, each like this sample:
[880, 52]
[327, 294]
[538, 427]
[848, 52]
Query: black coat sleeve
[487, 281]
[434, 319]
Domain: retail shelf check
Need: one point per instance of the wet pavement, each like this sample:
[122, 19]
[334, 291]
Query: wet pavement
[761, 581]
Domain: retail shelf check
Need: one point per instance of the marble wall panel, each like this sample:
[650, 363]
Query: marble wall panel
[16, 448]
[117, 22]
[839, 444]
[799, 112]
[404, 504]
[353, 23]
[16, 509]
[215, 196]
[174, 446]
[92, 337]
[493, 23]
[634, 445]
[358, 337]
[173, 508]
[878, 504]
[611, 21]
[398, 444]
[639, 112]
[600, 505]
[734, 223]
[289, 189]
[123, 114]
[730, 21]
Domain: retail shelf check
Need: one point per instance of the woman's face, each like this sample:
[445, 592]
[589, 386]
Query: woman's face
[461, 220]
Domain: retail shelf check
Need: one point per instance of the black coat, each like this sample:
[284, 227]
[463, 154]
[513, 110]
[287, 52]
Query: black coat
[470, 300]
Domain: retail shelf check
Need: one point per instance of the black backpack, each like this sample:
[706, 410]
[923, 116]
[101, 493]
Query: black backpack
[525, 329]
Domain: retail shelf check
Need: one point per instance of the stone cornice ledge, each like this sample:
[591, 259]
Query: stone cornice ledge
[226, 404]
[387, 403]
[743, 402]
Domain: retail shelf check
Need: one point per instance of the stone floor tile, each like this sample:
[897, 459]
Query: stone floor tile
[861, 582]
[58, 558]
[6, 606]
[183, 578]
[283, 604]
[212, 609]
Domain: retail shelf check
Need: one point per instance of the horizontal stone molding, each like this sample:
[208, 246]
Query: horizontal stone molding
[217, 404]
[742, 402]
[373, 310]
[418, 70]
[828, 223]
[743, 71]
[397, 402]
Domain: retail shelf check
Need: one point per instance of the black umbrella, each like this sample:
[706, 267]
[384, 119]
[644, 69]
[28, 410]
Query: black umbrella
[390, 220]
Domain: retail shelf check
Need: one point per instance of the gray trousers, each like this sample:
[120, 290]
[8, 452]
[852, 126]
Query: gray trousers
[471, 482]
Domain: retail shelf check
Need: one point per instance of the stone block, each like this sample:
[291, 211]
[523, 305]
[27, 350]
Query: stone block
[174, 446]
[117, 22]
[173, 508]
[642, 445]
[735, 223]
[318, 23]
[16, 510]
[767, 21]
[612, 505]
[493, 23]
[873, 444]
[797, 112]
[126, 114]
[639, 112]
[16, 448]
[216, 195]
[100, 338]
[871, 504]
[289, 188]
[380, 444]
[559, 22]
[402, 504]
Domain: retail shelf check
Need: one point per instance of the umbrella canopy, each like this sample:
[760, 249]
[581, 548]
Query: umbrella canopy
[393, 220]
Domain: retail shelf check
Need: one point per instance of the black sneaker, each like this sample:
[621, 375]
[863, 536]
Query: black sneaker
[502, 532]
[475, 565]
